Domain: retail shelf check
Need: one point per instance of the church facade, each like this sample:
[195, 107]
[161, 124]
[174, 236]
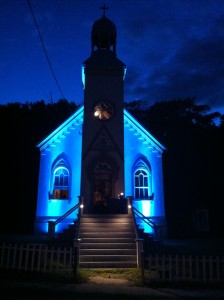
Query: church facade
[101, 154]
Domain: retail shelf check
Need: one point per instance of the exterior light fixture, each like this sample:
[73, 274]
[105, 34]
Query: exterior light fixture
[121, 195]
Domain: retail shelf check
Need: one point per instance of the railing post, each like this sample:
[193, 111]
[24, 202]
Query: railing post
[129, 204]
[76, 247]
[81, 204]
[142, 268]
[51, 229]
[140, 258]
[159, 233]
[140, 250]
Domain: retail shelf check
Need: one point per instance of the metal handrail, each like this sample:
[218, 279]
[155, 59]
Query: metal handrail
[157, 228]
[52, 224]
[144, 218]
[67, 213]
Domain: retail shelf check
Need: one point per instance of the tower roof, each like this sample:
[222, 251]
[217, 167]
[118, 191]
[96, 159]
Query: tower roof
[103, 34]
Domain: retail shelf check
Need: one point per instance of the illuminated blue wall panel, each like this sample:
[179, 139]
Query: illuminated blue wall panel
[146, 207]
[141, 145]
[64, 143]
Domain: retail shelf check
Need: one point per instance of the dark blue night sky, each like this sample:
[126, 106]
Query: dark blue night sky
[172, 48]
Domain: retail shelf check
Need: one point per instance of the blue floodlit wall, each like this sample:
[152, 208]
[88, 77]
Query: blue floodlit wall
[140, 146]
[66, 143]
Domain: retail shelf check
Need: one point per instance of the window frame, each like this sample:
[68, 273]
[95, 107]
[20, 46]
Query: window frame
[142, 191]
[62, 189]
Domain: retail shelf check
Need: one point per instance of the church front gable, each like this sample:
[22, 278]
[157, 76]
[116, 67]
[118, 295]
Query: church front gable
[103, 142]
[60, 167]
[72, 126]
[140, 134]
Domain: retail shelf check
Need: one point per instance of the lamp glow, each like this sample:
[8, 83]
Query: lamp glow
[96, 113]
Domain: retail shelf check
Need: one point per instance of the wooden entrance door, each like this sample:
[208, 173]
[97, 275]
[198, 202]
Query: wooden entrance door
[102, 184]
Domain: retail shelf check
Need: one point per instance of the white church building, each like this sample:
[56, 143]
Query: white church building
[101, 159]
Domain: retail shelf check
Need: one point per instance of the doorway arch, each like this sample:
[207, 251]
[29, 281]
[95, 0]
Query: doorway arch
[102, 184]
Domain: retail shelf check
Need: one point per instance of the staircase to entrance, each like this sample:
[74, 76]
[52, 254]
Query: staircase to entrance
[107, 241]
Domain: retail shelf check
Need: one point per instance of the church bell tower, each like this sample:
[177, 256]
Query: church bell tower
[102, 168]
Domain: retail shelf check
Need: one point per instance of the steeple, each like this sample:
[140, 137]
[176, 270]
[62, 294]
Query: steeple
[104, 34]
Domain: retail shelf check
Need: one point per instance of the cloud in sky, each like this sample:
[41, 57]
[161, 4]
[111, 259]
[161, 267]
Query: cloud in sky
[172, 49]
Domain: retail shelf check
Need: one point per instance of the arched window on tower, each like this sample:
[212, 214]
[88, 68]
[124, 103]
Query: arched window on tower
[60, 180]
[142, 181]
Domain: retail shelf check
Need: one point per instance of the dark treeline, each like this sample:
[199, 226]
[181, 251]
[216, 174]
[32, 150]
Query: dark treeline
[23, 126]
[193, 161]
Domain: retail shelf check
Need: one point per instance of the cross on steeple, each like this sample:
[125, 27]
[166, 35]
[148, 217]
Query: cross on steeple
[104, 7]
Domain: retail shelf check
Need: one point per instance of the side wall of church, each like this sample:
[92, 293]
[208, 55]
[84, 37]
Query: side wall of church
[67, 149]
[138, 151]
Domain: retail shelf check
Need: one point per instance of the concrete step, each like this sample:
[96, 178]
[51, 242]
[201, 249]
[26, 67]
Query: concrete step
[106, 234]
[110, 245]
[107, 241]
[110, 252]
[109, 258]
[105, 218]
[106, 226]
[108, 264]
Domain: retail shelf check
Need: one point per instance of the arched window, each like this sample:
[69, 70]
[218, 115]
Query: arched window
[141, 184]
[61, 181]
[142, 181]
